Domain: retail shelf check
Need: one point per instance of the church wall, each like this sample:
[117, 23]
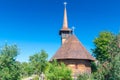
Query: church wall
[78, 66]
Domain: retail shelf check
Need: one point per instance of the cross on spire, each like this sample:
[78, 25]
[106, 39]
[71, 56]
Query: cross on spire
[73, 29]
[65, 3]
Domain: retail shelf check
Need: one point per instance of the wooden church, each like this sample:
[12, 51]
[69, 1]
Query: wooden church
[72, 52]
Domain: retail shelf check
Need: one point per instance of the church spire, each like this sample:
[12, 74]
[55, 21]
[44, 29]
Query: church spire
[65, 22]
[65, 32]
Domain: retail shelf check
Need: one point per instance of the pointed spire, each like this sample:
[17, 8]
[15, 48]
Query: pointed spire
[65, 22]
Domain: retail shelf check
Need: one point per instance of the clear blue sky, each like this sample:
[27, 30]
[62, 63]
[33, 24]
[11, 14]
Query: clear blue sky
[34, 24]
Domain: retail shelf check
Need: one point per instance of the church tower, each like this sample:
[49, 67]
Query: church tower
[65, 32]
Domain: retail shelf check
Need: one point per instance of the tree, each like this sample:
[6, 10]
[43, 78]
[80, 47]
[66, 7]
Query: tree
[110, 69]
[39, 61]
[9, 67]
[101, 43]
[26, 69]
[114, 60]
[56, 71]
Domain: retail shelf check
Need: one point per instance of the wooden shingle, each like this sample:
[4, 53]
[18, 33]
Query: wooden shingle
[72, 49]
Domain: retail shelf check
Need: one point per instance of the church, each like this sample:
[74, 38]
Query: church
[72, 53]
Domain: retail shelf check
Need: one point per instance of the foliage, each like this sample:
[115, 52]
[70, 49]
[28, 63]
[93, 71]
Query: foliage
[9, 67]
[114, 60]
[108, 55]
[101, 72]
[101, 43]
[93, 67]
[110, 69]
[39, 61]
[57, 71]
[85, 77]
[27, 69]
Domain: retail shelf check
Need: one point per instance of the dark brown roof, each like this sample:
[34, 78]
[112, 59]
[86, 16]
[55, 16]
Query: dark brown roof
[72, 49]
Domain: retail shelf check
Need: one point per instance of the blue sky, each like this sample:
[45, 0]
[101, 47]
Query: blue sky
[34, 24]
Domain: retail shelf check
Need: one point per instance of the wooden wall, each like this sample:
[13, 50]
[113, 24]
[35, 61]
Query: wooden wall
[77, 66]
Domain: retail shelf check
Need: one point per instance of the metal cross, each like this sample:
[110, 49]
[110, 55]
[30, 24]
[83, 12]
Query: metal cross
[65, 3]
[73, 29]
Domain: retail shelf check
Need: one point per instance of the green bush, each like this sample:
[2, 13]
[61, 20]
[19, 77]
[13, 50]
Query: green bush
[85, 77]
[58, 71]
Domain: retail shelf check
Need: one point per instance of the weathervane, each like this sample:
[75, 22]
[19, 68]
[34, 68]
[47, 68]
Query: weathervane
[65, 3]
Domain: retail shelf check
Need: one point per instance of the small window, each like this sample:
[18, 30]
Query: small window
[63, 35]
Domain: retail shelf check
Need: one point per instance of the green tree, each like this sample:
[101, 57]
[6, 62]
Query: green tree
[101, 43]
[107, 67]
[110, 69]
[9, 67]
[27, 69]
[39, 62]
[56, 71]
[114, 60]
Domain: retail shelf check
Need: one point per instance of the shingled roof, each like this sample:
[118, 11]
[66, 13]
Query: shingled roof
[72, 49]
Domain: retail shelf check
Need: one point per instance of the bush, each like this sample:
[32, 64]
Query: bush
[57, 71]
[85, 77]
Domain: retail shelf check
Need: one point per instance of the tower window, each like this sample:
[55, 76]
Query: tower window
[63, 35]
